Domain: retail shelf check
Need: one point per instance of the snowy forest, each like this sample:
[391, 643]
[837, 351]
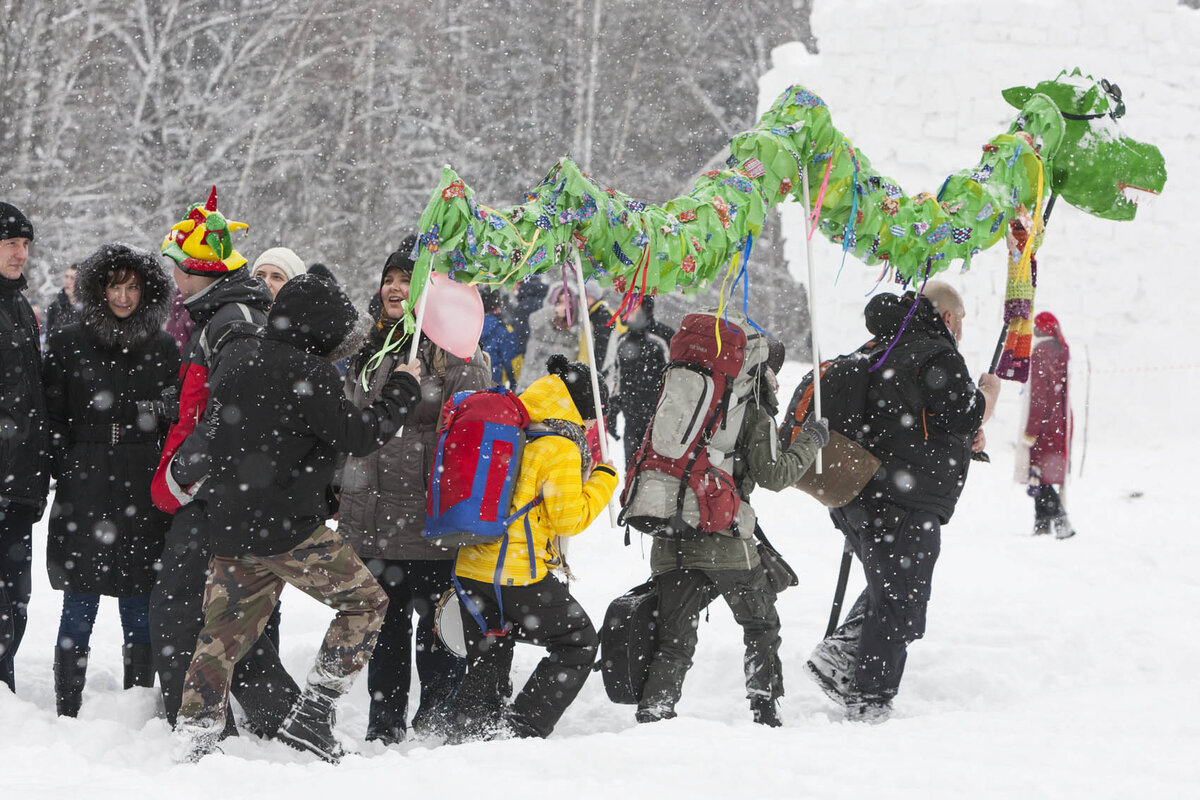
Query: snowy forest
[325, 124]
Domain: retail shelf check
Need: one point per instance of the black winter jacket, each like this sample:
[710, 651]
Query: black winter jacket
[105, 534]
[923, 410]
[277, 419]
[24, 445]
[642, 355]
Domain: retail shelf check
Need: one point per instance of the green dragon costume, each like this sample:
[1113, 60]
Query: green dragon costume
[1065, 142]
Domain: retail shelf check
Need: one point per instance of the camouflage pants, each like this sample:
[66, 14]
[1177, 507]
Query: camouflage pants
[240, 595]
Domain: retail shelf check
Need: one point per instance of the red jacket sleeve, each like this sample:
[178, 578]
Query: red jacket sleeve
[166, 493]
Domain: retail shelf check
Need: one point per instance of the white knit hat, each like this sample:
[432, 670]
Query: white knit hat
[283, 257]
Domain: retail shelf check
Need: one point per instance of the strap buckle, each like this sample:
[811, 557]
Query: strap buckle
[114, 435]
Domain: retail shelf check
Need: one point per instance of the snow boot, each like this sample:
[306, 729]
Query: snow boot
[766, 712]
[196, 738]
[70, 673]
[309, 725]
[869, 708]
[139, 666]
[1041, 526]
[832, 669]
[1063, 529]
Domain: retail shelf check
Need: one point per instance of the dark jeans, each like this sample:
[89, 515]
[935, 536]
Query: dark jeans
[260, 683]
[898, 549]
[412, 587]
[542, 613]
[16, 566]
[1046, 502]
[682, 595]
[79, 615]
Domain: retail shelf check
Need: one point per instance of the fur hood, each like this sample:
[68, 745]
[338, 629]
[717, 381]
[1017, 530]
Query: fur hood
[150, 315]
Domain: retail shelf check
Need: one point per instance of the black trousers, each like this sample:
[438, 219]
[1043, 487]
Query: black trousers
[16, 568]
[261, 685]
[413, 587]
[898, 549]
[542, 613]
[682, 595]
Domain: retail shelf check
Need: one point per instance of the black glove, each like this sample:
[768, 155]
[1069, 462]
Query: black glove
[817, 430]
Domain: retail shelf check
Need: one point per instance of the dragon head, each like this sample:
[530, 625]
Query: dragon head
[1091, 163]
[202, 243]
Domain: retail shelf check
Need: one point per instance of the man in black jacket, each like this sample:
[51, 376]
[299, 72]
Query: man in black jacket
[643, 352]
[276, 420]
[225, 306]
[924, 416]
[24, 441]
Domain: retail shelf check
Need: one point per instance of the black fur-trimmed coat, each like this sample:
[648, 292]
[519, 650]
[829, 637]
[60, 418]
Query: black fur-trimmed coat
[105, 534]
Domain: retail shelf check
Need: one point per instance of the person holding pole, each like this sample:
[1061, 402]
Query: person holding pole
[924, 419]
[382, 513]
[509, 582]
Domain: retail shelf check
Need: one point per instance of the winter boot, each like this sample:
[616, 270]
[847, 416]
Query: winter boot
[869, 708]
[70, 673]
[196, 738]
[1041, 526]
[139, 666]
[1063, 529]
[309, 725]
[831, 667]
[766, 712]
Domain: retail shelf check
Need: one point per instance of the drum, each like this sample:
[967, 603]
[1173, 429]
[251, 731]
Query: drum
[448, 623]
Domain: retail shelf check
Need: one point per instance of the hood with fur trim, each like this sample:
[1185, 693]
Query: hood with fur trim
[92, 280]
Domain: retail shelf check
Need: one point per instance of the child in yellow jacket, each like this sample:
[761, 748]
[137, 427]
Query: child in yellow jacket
[509, 582]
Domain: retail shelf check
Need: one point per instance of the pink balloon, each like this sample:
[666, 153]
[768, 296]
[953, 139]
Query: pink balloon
[453, 315]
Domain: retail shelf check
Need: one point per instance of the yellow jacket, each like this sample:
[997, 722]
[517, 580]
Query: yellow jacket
[551, 467]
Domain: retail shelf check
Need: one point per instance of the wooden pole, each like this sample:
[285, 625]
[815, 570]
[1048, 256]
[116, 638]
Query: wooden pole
[590, 346]
[812, 309]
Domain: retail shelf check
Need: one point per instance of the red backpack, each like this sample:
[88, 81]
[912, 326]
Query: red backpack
[475, 468]
[679, 484]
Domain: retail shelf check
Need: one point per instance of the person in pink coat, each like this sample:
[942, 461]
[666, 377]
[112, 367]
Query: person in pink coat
[1044, 453]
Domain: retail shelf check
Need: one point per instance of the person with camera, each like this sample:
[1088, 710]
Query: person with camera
[104, 377]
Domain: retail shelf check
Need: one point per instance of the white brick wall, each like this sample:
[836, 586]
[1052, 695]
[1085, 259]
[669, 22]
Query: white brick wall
[916, 87]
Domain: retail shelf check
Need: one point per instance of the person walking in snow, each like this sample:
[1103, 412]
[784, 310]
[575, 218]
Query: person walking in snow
[24, 445]
[382, 514]
[690, 573]
[924, 419]
[1044, 450]
[643, 353]
[226, 305]
[277, 419]
[104, 378]
[510, 583]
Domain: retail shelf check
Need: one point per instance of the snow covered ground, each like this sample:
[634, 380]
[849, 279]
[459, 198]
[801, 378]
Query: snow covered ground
[1051, 669]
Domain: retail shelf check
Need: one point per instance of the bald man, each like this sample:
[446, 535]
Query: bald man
[924, 418]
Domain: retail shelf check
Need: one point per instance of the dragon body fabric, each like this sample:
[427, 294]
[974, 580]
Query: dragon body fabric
[1064, 142]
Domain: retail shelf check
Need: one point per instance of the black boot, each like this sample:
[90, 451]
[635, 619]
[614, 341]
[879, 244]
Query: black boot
[139, 666]
[70, 672]
[309, 725]
[766, 712]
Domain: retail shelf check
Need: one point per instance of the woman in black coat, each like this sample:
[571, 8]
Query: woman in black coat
[104, 378]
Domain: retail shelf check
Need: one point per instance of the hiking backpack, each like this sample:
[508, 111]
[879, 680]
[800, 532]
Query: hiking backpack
[475, 468]
[679, 483]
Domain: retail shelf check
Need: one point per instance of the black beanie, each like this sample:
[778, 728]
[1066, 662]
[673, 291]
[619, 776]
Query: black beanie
[401, 259]
[322, 271]
[14, 224]
[578, 378]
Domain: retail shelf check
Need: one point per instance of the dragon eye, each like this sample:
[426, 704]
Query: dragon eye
[1112, 89]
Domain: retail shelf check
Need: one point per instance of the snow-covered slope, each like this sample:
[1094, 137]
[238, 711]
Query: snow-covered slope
[1051, 669]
